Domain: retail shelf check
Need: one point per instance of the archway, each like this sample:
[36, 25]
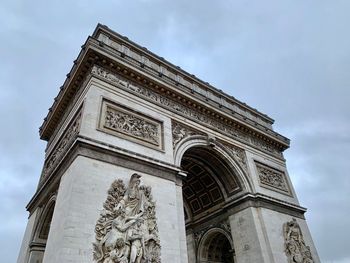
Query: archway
[209, 183]
[216, 247]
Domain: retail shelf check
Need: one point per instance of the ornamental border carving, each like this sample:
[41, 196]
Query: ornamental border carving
[181, 108]
[66, 140]
[272, 178]
[121, 121]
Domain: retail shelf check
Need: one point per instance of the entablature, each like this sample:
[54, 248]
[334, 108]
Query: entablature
[182, 89]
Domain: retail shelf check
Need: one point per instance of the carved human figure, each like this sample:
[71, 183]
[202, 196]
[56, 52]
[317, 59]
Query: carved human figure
[296, 256]
[118, 231]
[121, 252]
[178, 134]
[126, 231]
[119, 226]
[294, 232]
[296, 249]
[136, 239]
[133, 199]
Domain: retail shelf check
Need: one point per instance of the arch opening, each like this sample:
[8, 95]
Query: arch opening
[210, 180]
[216, 248]
[209, 183]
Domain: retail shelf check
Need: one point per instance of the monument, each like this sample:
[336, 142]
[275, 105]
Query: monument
[146, 163]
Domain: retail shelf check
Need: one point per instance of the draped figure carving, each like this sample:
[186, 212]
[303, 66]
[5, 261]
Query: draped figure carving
[296, 249]
[126, 231]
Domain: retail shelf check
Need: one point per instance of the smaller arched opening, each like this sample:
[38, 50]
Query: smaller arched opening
[46, 222]
[42, 230]
[216, 247]
[211, 181]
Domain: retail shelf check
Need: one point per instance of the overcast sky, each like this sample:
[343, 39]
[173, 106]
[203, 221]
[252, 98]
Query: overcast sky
[288, 59]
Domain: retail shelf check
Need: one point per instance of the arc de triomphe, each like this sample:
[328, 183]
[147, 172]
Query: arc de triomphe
[147, 163]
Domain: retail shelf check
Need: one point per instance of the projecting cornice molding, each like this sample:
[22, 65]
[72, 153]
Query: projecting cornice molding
[115, 53]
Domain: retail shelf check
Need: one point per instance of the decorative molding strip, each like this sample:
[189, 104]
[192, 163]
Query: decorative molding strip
[63, 144]
[294, 243]
[235, 131]
[129, 124]
[272, 178]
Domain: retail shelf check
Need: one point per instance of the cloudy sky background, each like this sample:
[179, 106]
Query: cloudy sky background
[288, 59]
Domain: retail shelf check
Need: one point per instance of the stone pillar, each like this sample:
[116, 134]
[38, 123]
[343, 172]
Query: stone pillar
[181, 221]
[248, 239]
[28, 235]
[191, 248]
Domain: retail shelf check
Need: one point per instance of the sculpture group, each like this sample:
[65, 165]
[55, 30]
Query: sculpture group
[296, 249]
[126, 231]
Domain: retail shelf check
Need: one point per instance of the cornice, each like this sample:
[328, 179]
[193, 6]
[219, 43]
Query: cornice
[97, 52]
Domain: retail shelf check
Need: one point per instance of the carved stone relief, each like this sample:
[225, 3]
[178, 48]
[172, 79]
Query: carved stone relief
[134, 126]
[187, 111]
[295, 248]
[272, 178]
[60, 149]
[127, 231]
[238, 155]
[181, 132]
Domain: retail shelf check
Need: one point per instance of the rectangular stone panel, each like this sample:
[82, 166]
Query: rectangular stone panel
[272, 178]
[129, 124]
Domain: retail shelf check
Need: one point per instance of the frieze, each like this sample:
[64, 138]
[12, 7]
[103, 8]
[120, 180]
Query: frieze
[127, 231]
[121, 121]
[295, 248]
[272, 178]
[188, 111]
[60, 149]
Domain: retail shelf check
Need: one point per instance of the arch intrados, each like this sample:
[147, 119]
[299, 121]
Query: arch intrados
[44, 216]
[200, 141]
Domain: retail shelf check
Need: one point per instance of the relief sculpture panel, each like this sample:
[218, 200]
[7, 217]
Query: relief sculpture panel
[295, 247]
[272, 178]
[127, 231]
[129, 124]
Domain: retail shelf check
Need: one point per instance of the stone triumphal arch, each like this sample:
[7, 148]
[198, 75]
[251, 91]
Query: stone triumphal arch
[147, 163]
